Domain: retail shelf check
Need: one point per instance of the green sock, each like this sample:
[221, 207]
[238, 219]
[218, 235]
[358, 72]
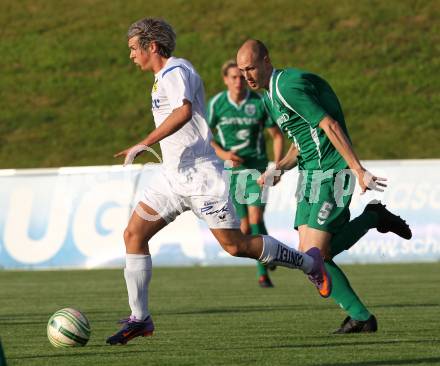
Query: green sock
[259, 228]
[344, 295]
[261, 269]
[351, 232]
[256, 229]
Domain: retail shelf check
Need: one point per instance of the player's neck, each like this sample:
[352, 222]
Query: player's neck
[158, 63]
[237, 98]
[266, 85]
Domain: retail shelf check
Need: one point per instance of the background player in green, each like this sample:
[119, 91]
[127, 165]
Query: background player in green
[308, 111]
[239, 118]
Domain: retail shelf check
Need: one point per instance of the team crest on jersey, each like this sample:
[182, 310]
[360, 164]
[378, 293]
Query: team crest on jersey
[281, 119]
[154, 88]
[250, 109]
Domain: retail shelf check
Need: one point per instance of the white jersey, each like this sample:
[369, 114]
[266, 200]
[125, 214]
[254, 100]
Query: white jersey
[190, 145]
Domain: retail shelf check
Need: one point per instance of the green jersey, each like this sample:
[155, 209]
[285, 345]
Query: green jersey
[298, 100]
[240, 127]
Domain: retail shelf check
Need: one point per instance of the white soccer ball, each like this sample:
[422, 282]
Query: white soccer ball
[68, 328]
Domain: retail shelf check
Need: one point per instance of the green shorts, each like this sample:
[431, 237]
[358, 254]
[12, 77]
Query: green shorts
[326, 208]
[244, 192]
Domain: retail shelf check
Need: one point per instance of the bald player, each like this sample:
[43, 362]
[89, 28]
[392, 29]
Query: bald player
[308, 111]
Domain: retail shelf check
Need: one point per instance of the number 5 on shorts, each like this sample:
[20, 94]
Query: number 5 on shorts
[324, 212]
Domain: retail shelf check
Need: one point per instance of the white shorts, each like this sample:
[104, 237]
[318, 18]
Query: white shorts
[202, 189]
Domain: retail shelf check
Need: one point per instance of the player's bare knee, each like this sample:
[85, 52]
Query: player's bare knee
[235, 249]
[127, 236]
[131, 238]
[232, 241]
[232, 250]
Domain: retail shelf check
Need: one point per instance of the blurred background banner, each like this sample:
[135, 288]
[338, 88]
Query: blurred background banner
[75, 218]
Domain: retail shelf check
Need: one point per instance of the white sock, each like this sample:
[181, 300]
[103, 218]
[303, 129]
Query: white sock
[275, 252]
[137, 273]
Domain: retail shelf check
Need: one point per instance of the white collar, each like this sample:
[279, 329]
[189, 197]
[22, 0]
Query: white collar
[172, 58]
[238, 106]
[270, 92]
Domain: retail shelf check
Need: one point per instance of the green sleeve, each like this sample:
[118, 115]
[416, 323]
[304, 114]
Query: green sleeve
[211, 117]
[300, 96]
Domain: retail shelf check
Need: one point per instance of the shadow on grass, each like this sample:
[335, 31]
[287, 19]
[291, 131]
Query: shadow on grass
[296, 307]
[243, 309]
[23, 319]
[257, 307]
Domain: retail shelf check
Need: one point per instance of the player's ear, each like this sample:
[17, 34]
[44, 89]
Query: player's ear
[266, 60]
[153, 47]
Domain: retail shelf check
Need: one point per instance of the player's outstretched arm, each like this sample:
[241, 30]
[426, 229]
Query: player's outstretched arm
[227, 155]
[174, 122]
[341, 143]
[290, 160]
[278, 143]
[273, 175]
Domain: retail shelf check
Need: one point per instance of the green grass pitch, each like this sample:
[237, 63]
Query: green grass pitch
[218, 316]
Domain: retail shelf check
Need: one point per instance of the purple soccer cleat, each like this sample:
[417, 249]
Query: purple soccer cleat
[132, 328]
[319, 276]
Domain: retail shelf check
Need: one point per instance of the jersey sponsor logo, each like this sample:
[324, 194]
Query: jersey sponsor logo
[242, 135]
[283, 118]
[324, 212]
[246, 121]
[155, 103]
[250, 109]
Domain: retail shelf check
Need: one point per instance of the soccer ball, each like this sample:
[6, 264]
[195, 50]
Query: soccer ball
[68, 327]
